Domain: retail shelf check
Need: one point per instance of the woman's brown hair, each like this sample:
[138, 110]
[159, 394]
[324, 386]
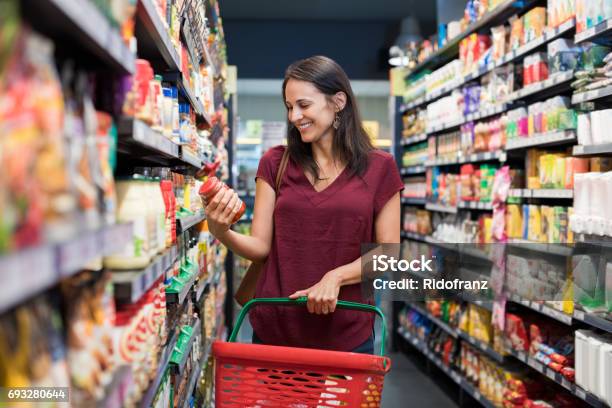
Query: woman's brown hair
[351, 144]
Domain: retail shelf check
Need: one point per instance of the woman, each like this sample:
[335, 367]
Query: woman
[336, 193]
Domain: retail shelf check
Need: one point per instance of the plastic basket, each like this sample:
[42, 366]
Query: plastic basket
[260, 376]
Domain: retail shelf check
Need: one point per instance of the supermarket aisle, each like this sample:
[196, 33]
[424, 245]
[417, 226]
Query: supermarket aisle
[408, 385]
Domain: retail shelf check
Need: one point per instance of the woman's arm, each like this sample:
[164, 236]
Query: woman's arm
[221, 211]
[323, 296]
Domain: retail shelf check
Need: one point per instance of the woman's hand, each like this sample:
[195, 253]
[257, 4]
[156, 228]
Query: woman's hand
[221, 210]
[322, 297]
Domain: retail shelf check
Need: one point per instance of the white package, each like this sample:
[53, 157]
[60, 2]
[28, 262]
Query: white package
[580, 344]
[584, 129]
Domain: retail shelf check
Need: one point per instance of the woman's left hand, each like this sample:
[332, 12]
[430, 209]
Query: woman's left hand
[323, 296]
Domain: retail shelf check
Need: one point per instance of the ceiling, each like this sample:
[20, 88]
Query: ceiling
[423, 10]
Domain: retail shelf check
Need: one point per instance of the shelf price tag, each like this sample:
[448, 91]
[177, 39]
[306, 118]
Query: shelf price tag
[535, 364]
[551, 374]
[477, 395]
[581, 393]
[521, 356]
[579, 314]
[565, 383]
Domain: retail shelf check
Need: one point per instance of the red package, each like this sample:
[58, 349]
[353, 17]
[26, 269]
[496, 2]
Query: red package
[558, 358]
[555, 366]
[516, 332]
[569, 373]
[514, 397]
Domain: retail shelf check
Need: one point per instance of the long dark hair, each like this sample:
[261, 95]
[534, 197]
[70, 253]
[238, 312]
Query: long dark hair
[351, 144]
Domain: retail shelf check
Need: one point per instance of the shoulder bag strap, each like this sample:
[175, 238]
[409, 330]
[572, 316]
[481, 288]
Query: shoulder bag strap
[281, 170]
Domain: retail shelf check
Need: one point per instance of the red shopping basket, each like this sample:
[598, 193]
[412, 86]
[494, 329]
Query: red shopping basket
[260, 376]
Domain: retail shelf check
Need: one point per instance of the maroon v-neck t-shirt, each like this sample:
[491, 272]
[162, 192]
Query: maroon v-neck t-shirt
[314, 233]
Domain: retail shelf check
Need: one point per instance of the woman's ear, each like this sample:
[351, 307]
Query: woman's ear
[339, 101]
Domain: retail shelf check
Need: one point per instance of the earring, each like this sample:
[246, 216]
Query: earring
[336, 123]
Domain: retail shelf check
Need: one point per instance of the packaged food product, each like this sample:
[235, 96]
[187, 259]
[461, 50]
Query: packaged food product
[211, 187]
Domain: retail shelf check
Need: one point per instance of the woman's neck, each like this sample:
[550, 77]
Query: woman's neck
[322, 150]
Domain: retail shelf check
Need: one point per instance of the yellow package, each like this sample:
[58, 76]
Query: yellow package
[558, 172]
[535, 224]
[548, 220]
[570, 233]
[531, 167]
[514, 221]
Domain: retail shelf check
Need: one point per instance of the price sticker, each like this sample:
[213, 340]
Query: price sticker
[535, 364]
[579, 314]
[521, 356]
[581, 393]
[477, 395]
[565, 383]
[551, 374]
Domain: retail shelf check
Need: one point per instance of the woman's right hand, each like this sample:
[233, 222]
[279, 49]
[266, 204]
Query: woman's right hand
[221, 210]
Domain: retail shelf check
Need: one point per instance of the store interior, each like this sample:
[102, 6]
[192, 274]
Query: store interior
[115, 113]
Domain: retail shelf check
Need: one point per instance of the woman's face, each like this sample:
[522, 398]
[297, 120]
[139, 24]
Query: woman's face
[309, 110]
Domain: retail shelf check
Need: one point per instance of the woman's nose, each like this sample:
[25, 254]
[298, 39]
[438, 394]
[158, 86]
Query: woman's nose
[295, 115]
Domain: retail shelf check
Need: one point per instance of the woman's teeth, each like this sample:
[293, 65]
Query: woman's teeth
[304, 125]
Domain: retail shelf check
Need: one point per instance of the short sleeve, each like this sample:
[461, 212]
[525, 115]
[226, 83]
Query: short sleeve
[269, 164]
[389, 182]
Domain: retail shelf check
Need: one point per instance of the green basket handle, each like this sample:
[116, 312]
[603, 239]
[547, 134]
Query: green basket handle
[342, 304]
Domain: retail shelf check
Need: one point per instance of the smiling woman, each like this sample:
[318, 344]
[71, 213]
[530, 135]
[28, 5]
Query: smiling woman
[335, 193]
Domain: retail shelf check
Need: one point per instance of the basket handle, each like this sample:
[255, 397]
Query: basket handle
[342, 304]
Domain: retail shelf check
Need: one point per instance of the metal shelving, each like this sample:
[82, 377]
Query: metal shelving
[83, 22]
[454, 375]
[594, 33]
[544, 139]
[406, 171]
[184, 223]
[413, 201]
[55, 261]
[129, 286]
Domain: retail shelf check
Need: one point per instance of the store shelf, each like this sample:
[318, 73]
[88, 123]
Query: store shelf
[405, 171]
[129, 286]
[574, 389]
[154, 146]
[188, 157]
[411, 105]
[413, 201]
[180, 367]
[549, 35]
[184, 223]
[413, 139]
[182, 295]
[158, 32]
[444, 326]
[470, 158]
[553, 249]
[82, 21]
[475, 205]
[188, 93]
[482, 346]
[592, 150]
[544, 139]
[593, 320]
[454, 375]
[413, 236]
[543, 309]
[32, 270]
[595, 33]
[439, 127]
[164, 360]
[555, 80]
[441, 208]
[448, 51]
[593, 95]
[541, 193]
[193, 380]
